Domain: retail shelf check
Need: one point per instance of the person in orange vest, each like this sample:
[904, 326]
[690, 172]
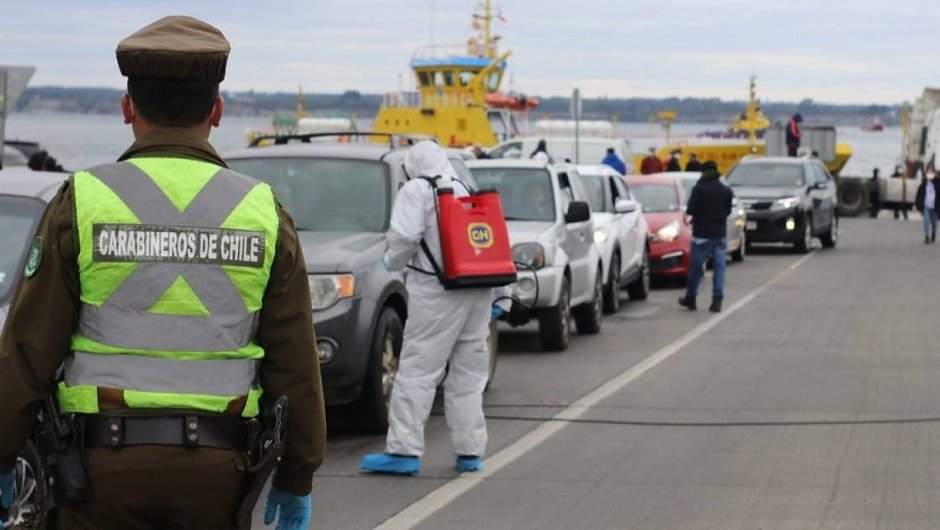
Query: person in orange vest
[793, 134]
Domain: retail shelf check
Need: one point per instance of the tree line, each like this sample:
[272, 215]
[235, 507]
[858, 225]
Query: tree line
[691, 110]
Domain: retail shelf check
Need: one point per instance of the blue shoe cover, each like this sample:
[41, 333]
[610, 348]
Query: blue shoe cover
[390, 464]
[469, 463]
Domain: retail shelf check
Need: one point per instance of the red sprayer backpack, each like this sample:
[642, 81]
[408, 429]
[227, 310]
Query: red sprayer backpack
[474, 237]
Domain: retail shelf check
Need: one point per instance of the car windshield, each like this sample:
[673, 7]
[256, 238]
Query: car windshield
[767, 175]
[656, 197]
[687, 185]
[323, 194]
[18, 219]
[594, 186]
[525, 193]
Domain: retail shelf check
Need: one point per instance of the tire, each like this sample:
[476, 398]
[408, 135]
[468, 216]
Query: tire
[803, 244]
[372, 407]
[588, 316]
[492, 345]
[831, 237]
[27, 510]
[853, 197]
[738, 255]
[612, 289]
[639, 289]
[555, 322]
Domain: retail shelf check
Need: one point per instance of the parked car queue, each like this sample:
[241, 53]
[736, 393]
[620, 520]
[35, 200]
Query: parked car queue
[581, 233]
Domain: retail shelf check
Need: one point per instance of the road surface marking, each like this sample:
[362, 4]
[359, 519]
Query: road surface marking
[434, 501]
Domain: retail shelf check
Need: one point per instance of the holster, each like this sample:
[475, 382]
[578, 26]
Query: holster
[264, 456]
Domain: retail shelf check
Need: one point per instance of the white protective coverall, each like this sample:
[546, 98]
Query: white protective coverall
[443, 326]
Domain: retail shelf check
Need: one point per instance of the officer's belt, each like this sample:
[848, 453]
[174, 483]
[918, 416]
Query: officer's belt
[178, 431]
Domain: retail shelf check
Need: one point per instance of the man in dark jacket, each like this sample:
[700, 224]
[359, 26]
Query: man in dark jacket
[673, 163]
[693, 164]
[709, 207]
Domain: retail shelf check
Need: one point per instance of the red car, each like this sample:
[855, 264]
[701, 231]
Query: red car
[670, 233]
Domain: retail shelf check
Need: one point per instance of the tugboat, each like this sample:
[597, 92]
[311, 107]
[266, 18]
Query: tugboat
[458, 101]
[745, 137]
[874, 126]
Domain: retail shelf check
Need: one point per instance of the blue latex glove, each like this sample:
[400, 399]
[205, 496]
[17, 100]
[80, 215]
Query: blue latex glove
[496, 312]
[296, 510]
[7, 489]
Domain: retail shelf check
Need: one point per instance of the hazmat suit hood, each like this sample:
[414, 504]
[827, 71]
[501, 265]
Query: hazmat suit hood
[427, 159]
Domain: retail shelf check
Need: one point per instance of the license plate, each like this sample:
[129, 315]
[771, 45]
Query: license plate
[750, 225]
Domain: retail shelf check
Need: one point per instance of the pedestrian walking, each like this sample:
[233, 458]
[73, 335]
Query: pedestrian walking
[709, 207]
[794, 134]
[173, 293]
[612, 160]
[693, 164]
[445, 329]
[927, 204]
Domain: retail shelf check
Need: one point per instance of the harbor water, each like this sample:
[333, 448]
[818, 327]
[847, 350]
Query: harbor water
[80, 141]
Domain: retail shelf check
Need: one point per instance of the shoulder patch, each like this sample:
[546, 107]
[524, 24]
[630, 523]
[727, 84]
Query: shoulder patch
[33, 258]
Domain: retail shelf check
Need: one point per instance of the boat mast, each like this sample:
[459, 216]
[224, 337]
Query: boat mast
[752, 114]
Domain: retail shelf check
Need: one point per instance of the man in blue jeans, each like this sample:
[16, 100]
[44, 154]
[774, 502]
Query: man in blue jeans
[709, 207]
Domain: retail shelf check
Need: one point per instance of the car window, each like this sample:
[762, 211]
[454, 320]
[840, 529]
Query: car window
[687, 185]
[623, 191]
[463, 172]
[18, 219]
[326, 195]
[656, 197]
[510, 150]
[525, 193]
[594, 186]
[767, 175]
[567, 192]
[819, 173]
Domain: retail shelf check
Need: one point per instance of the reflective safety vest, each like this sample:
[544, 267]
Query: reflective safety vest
[174, 258]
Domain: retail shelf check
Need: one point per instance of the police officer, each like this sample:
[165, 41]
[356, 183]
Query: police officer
[172, 292]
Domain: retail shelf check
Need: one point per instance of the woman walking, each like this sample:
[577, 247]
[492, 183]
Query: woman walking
[927, 204]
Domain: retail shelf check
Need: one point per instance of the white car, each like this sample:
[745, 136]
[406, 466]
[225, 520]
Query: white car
[621, 233]
[552, 233]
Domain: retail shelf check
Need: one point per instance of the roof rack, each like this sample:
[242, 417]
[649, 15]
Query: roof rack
[393, 139]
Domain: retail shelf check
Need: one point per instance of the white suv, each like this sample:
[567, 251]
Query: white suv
[620, 233]
[552, 233]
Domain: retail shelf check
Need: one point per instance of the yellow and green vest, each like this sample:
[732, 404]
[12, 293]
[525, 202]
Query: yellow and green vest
[174, 258]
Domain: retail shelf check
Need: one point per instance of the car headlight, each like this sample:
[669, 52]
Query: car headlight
[327, 289]
[532, 254]
[668, 233]
[785, 203]
[600, 236]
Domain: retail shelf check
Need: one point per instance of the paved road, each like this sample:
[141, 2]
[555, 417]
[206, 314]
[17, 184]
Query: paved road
[803, 405]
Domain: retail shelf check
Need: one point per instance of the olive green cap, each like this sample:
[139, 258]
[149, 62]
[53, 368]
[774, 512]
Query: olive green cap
[181, 48]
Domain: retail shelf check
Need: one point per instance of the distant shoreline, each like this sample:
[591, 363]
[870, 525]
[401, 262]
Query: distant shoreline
[48, 100]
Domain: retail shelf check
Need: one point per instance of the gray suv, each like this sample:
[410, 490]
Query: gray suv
[340, 197]
[789, 200]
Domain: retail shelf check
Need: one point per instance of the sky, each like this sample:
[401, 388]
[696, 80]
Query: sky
[863, 51]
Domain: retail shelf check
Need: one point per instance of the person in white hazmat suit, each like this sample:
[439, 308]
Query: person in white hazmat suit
[446, 329]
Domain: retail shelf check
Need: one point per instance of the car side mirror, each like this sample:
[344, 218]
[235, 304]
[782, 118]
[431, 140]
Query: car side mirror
[578, 212]
[624, 206]
[819, 186]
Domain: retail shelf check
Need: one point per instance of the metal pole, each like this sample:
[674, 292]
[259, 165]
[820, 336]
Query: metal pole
[576, 108]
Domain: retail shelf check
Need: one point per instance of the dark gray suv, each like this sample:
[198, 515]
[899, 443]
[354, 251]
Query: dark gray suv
[789, 200]
[340, 197]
